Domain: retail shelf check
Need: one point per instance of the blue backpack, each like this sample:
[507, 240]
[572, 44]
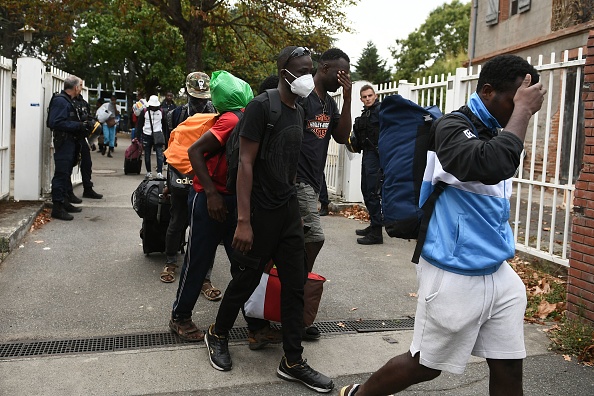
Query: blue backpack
[404, 138]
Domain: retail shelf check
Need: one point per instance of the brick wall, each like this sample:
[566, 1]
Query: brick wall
[580, 290]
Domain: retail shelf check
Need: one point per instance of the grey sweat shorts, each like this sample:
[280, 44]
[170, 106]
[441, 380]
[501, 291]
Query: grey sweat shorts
[308, 207]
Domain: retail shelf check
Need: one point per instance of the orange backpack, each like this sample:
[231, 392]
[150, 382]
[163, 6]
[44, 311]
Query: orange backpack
[183, 136]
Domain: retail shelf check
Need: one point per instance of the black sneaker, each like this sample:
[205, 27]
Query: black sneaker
[218, 350]
[90, 193]
[68, 207]
[73, 198]
[310, 333]
[58, 212]
[302, 372]
[363, 231]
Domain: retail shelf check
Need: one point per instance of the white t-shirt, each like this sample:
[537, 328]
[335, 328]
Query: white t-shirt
[156, 117]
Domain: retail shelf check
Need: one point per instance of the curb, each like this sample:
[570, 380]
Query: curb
[14, 231]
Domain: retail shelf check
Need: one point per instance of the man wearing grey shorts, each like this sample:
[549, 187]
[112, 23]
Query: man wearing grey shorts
[470, 301]
[322, 121]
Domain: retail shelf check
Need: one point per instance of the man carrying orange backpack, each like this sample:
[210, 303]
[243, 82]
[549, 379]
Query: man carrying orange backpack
[178, 184]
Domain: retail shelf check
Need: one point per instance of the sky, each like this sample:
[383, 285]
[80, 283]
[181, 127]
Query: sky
[383, 21]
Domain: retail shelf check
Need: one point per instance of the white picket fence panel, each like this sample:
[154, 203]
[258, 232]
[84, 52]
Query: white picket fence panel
[34, 163]
[541, 210]
[5, 125]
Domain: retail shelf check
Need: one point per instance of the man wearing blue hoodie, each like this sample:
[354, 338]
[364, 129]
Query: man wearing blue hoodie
[470, 301]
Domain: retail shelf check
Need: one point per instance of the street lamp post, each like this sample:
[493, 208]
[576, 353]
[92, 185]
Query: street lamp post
[27, 36]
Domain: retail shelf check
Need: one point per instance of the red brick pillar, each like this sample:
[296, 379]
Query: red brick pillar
[580, 290]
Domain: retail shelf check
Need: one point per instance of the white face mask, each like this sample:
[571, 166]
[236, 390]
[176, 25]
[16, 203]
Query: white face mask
[301, 86]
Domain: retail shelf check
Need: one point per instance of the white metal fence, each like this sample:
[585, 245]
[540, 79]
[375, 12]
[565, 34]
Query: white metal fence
[33, 159]
[5, 124]
[543, 187]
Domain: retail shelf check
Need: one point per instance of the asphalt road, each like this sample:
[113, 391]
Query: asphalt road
[88, 278]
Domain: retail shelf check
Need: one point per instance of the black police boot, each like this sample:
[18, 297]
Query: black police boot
[73, 198]
[90, 193]
[58, 212]
[374, 237]
[68, 207]
[109, 152]
[363, 231]
[323, 210]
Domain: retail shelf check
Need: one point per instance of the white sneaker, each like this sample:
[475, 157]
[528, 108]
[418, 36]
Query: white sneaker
[159, 175]
[148, 175]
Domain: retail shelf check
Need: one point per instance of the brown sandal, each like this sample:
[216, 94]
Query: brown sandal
[210, 292]
[186, 330]
[168, 274]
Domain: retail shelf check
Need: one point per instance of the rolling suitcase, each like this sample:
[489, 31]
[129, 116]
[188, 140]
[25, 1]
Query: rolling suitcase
[149, 204]
[133, 157]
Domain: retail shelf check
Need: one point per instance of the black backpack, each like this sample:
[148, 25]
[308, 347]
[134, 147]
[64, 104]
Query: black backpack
[147, 200]
[232, 146]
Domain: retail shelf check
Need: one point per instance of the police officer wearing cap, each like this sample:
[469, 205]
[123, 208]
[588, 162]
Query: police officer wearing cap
[366, 130]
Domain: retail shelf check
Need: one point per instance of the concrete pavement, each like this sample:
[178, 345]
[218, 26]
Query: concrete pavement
[88, 278]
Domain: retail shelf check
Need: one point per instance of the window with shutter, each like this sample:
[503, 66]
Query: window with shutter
[523, 5]
[492, 12]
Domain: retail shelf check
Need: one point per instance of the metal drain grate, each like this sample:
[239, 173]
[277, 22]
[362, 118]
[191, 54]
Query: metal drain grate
[100, 344]
[364, 326]
[153, 340]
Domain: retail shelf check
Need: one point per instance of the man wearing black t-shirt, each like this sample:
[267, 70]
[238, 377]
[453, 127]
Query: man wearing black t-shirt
[268, 220]
[322, 121]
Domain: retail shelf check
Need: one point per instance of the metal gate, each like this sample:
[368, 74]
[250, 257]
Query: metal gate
[5, 125]
[542, 200]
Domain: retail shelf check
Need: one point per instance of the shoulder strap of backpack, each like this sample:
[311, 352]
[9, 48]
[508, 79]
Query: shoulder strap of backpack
[462, 115]
[429, 204]
[239, 115]
[274, 114]
[427, 209]
[161, 200]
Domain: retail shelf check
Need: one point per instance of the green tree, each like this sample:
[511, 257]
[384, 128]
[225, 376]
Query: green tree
[52, 20]
[370, 67]
[128, 44]
[251, 31]
[443, 36]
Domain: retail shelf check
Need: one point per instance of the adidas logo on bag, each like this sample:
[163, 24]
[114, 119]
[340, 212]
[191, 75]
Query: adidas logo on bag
[185, 180]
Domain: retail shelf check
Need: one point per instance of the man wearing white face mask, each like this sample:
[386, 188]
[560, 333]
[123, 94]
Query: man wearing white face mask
[268, 220]
[322, 121]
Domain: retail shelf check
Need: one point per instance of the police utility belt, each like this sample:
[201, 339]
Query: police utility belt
[367, 134]
[60, 137]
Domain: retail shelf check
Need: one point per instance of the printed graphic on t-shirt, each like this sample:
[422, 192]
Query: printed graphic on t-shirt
[319, 125]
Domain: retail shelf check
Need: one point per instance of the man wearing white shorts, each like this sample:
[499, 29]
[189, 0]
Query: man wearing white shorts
[470, 301]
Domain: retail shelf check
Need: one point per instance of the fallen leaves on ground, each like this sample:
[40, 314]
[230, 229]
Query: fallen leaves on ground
[543, 292]
[355, 212]
[539, 286]
[42, 218]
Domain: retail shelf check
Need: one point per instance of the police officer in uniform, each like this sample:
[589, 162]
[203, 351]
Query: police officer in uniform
[67, 128]
[84, 111]
[366, 131]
